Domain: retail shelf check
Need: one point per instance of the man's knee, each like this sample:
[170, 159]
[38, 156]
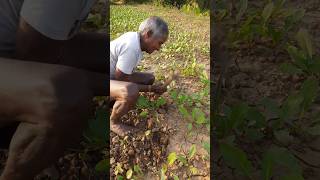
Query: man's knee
[129, 92]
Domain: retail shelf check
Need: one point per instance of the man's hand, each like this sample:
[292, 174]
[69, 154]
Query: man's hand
[159, 89]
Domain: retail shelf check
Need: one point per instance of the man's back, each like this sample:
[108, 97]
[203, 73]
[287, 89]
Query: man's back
[125, 53]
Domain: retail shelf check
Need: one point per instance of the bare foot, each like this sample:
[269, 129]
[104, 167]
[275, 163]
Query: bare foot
[122, 129]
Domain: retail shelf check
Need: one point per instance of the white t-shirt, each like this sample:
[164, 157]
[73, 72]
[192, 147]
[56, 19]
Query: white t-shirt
[55, 19]
[125, 53]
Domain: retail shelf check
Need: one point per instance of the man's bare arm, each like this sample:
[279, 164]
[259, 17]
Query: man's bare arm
[120, 76]
[32, 45]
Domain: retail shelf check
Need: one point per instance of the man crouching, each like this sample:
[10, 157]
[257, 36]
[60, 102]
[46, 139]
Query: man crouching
[125, 55]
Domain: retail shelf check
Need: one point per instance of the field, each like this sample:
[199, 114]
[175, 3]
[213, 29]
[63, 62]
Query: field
[266, 90]
[174, 137]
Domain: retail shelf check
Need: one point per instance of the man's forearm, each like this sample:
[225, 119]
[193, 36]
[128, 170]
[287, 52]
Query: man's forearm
[145, 88]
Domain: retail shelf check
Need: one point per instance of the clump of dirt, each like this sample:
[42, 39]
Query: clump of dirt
[73, 165]
[146, 149]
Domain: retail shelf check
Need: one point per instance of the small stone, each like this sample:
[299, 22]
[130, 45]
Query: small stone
[164, 140]
[131, 152]
[164, 129]
[137, 160]
[295, 78]
[126, 166]
[135, 144]
[115, 139]
[162, 111]
[149, 123]
[112, 160]
[155, 130]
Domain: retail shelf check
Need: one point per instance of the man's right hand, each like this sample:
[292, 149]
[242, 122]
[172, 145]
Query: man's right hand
[159, 89]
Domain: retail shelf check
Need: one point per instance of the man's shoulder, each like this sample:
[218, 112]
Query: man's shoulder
[128, 39]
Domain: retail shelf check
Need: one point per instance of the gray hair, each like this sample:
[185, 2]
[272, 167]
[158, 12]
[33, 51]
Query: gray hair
[156, 25]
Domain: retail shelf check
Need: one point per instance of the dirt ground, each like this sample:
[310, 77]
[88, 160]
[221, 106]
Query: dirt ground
[256, 75]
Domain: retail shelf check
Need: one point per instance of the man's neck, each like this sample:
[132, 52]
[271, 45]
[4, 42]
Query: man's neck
[142, 44]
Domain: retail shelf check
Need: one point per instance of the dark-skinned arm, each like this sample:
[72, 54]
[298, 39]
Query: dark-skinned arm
[32, 45]
[120, 76]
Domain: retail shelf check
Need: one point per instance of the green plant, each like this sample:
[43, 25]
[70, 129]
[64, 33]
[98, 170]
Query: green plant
[303, 59]
[181, 160]
[273, 22]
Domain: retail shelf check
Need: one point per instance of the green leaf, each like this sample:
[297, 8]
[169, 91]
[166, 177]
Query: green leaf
[163, 172]
[298, 57]
[257, 117]
[280, 3]
[305, 42]
[198, 116]
[206, 146]
[267, 166]
[237, 115]
[97, 130]
[309, 91]
[102, 166]
[254, 134]
[129, 173]
[283, 157]
[292, 177]
[192, 151]
[242, 10]
[284, 137]
[236, 158]
[289, 68]
[193, 170]
[175, 177]
[294, 17]
[267, 11]
[271, 108]
[315, 65]
[137, 169]
[315, 130]
[174, 94]
[118, 169]
[143, 114]
[160, 102]
[189, 126]
[142, 102]
[183, 111]
[182, 159]
[120, 178]
[291, 107]
[171, 158]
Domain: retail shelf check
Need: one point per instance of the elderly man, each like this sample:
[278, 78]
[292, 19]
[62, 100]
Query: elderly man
[49, 73]
[125, 54]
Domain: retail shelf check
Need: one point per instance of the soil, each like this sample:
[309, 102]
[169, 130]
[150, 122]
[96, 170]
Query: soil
[252, 74]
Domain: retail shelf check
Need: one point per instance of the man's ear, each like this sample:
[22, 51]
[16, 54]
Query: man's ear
[149, 34]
